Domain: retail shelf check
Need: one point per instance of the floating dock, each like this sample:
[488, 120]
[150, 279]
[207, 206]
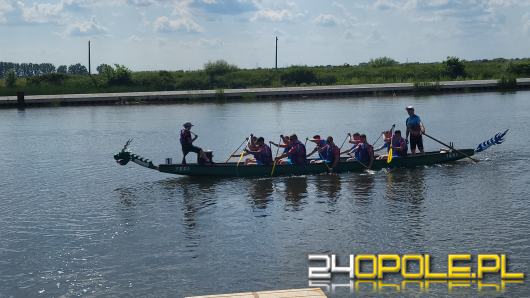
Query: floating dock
[158, 97]
[295, 293]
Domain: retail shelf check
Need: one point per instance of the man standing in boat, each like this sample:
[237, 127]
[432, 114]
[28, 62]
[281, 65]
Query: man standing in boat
[186, 140]
[415, 129]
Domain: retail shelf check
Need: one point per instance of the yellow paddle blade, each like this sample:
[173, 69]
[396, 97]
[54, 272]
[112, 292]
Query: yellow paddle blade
[389, 158]
[273, 167]
[240, 158]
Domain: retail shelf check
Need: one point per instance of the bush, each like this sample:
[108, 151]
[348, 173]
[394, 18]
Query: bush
[218, 68]
[122, 75]
[298, 75]
[454, 67]
[326, 79]
[166, 80]
[507, 82]
[10, 79]
[382, 61]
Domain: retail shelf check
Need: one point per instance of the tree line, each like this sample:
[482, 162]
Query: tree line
[38, 69]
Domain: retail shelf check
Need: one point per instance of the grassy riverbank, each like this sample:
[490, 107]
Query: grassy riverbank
[221, 75]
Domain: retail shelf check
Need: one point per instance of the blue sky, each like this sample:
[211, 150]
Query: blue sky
[184, 34]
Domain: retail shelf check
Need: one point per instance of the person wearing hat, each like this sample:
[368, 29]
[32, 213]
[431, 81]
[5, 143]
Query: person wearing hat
[186, 140]
[415, 130]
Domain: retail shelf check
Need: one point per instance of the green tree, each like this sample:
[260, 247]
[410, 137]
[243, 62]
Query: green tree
[10, 78]
[454, 67]
[382, 61]
[62, 69]
[77, 69]
[122, 75]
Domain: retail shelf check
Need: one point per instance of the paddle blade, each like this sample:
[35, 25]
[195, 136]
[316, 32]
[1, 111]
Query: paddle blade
[389, 159]
[496, 140]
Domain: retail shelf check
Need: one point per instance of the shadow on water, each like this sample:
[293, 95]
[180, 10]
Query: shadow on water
[328, 186]
[260, 192]
[295, 191]
[405, 191]
[362, 187]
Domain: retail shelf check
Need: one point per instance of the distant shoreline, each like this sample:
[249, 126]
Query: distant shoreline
[252, 94]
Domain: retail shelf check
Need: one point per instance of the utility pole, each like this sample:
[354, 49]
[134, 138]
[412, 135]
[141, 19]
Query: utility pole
[276, 57]
[89, 67]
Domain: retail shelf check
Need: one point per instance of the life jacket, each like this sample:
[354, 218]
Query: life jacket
[364, 152]
[322, 152]
[185, 137]
[332, 152]
[399, 143]
[265, 155]
[297, 153]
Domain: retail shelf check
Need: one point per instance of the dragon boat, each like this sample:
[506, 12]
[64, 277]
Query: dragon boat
[233, 169]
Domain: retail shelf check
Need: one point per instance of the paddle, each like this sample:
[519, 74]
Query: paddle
[432, 138]
[344, 142]
[246, 139]
[277, 150]
[390, 150]
[391, 129]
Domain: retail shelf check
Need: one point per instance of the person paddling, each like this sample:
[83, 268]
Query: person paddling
[355, 139]
[399, 145]
[331, 152]
[364, 152]
[186, 141]
[386, 144]
[296, 154]
[415, 129]
[262, 154]
[319, 145]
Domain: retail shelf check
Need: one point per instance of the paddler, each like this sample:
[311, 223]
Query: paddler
[399, 145]
[286, 143]
[296, 154]
[355, 139]
[186, 141]
[364, 152]
[386, 144]
[331, 152]
[319, 145]
[415, 129]
[262, 153]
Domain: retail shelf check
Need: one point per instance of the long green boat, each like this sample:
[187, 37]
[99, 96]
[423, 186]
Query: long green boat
[233, 169]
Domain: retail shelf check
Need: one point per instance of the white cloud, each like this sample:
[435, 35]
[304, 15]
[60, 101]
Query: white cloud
[42, 12]
[5, 7]
[327, 20]
[164, 24]
[86, 28]
[271, 15]
[526, 23]
[202, 43]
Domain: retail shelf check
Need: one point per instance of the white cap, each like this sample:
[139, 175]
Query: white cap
[410, 108]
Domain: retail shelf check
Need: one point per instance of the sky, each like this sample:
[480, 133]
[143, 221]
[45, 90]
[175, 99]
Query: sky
[185, 34]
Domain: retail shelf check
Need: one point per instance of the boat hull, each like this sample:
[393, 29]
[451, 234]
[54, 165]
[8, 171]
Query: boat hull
[233, 170]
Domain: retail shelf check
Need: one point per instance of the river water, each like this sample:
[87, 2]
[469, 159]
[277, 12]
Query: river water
[73, 222]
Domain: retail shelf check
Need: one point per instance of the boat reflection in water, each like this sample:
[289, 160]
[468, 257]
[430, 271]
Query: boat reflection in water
[295, 191]
[260, 192]
[405, 192]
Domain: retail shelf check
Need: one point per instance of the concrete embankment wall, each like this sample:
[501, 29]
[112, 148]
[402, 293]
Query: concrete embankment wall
[254, 93]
